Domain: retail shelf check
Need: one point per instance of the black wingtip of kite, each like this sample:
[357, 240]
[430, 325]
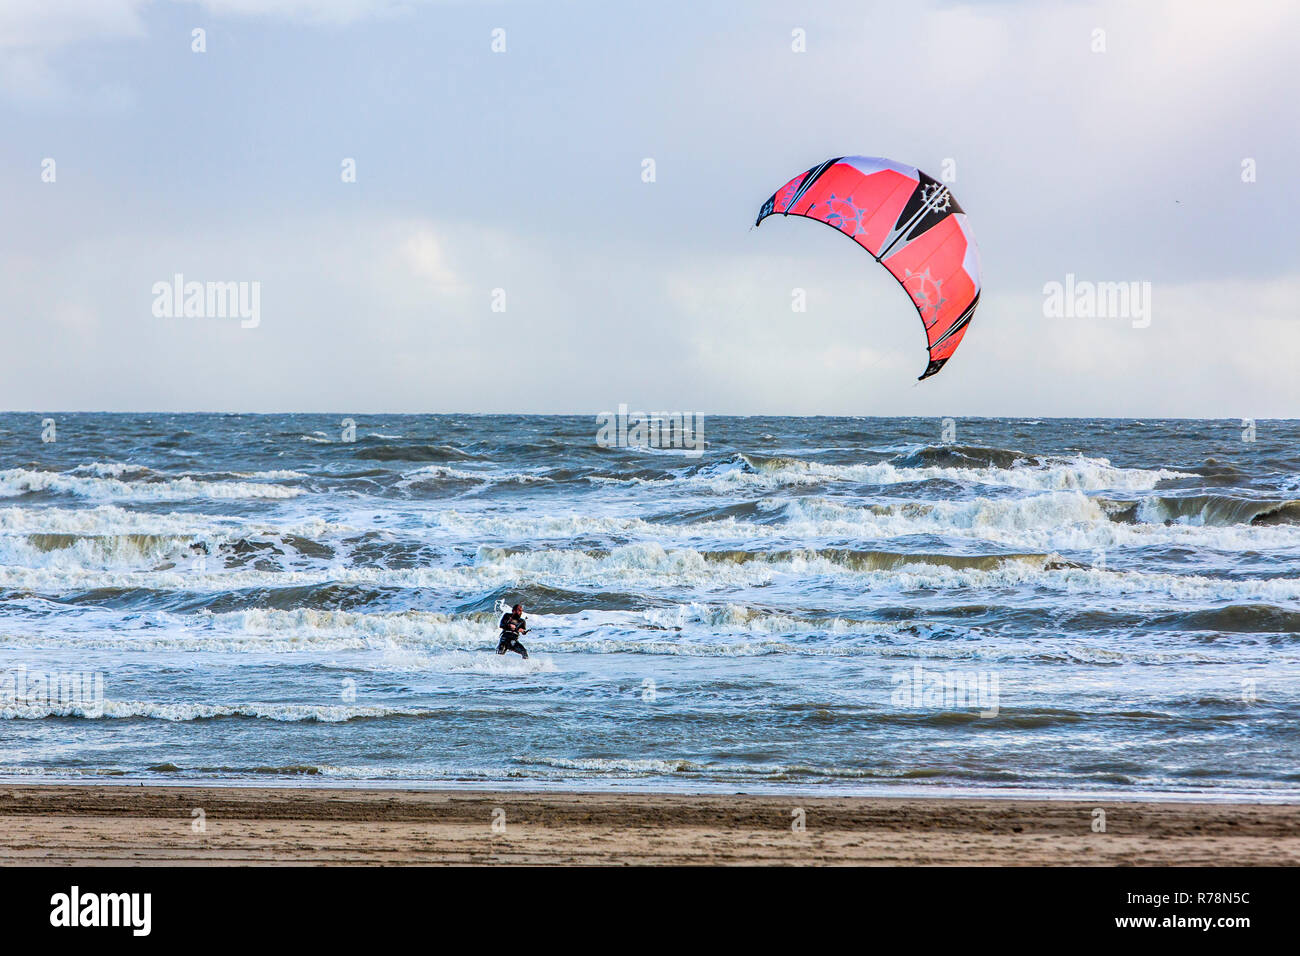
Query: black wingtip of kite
[932, 369]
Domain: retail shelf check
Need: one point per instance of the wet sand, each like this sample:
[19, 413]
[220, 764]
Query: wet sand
[124, 825]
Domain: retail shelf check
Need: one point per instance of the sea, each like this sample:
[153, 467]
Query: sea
[790, 605]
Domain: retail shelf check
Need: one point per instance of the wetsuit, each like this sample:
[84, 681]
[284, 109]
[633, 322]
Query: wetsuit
[512, 625]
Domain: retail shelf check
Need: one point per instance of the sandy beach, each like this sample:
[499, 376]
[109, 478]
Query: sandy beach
[223, 826]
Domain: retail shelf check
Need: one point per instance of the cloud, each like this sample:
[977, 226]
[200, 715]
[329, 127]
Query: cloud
[311, 11]
[50, 24]
[366, 311]
[45, 25]
[423, 254]
[32, 32]
[521, 173]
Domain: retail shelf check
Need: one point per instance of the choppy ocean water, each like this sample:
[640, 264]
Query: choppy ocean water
[814, 604]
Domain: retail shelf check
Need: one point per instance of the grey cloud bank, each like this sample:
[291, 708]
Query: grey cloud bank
[514, 179]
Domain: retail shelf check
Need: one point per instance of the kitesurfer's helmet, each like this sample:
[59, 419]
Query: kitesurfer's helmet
[518, 609]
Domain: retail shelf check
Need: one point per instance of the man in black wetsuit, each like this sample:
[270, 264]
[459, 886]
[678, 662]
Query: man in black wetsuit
[512, 625]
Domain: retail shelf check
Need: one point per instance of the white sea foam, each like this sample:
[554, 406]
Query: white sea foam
[1080, 473]
[439, 473]
[418, 640]
[650, 565]
[653, 767]
[112, 537]
[98, 551]
[116, 469]
[1049, 521]
[374, 629]
[111, 519]
[461, 662]
[108, 469]
[21, 481]
[618, 766]
[1052, 521]
[125, 709]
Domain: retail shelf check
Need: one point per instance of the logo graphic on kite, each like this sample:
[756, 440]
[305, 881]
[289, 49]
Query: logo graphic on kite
[910, 223]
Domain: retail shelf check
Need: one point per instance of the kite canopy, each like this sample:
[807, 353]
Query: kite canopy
[910, 223]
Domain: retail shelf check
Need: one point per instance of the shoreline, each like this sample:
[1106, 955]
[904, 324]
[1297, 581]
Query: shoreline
[58, 824]
[654, 788]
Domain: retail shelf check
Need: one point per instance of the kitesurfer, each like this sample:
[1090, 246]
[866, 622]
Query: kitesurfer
[513, 625]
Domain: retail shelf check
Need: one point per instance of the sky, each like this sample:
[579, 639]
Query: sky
[501, 249]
